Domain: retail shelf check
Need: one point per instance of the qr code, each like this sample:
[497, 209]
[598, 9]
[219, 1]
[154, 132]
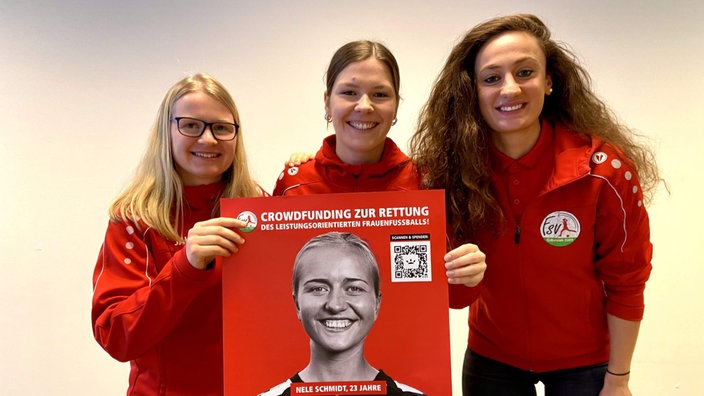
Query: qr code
[410, 261]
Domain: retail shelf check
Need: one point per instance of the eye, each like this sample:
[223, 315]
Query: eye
[348, 92]
[524, 73]
[489, 80]
[381, 95]
[355, 290]
[316, 290]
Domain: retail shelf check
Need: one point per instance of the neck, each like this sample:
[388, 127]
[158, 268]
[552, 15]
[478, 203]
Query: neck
[516, 144]
[338, 367]
[354, 158]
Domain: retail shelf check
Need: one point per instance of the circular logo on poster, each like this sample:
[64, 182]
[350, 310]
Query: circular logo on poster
[249, 218]
[560, 228]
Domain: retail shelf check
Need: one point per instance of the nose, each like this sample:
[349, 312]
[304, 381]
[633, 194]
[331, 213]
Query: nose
[364, 104]
[336, 301]
[208, 135]
[510, 87]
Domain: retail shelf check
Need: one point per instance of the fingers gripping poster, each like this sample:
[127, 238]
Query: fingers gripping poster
[337, 294]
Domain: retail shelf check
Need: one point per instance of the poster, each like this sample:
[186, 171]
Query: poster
[265, 343]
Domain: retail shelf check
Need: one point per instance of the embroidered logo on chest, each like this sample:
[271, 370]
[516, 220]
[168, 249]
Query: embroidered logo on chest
[560, 228]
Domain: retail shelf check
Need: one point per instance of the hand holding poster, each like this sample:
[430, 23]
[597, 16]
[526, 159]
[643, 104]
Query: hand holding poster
[338, 294]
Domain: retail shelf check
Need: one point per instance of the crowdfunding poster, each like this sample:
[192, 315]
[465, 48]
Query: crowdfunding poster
[267, 338]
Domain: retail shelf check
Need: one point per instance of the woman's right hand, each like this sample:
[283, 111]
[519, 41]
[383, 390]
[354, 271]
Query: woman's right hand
[210, 238]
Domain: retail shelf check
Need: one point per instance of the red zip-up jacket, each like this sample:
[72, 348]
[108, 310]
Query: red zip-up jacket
[581, 250]
[153, 309]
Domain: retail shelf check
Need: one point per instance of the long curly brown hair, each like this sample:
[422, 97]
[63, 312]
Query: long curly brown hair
[451, 143]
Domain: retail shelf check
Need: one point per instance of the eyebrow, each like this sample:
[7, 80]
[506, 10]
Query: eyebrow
[520, 60]
[327, 282]
[356, 85]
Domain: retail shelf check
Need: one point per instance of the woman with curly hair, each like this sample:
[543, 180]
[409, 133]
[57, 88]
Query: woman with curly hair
[540, 173]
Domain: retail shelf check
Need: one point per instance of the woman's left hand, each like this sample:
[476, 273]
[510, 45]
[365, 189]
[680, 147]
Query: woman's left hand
[465, 265]
[297, 159]
[615, 386]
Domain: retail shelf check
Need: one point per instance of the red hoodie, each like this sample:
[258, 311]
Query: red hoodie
[328, 174]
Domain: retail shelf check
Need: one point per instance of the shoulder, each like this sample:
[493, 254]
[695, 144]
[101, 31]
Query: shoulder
[395, 387]
[609, 163]
[282, 389]
[618, 176]
[127, 226]
[293, 176]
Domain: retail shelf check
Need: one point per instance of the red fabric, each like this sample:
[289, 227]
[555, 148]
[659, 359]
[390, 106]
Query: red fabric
[543, 307]
[153, 309]
[328, 174]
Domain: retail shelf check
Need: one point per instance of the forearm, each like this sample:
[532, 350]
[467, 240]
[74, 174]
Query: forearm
[623, 336]
[131, 315]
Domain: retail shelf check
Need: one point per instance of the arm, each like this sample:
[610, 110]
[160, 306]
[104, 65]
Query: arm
[142, 286]
[623, 335]
[623, 254]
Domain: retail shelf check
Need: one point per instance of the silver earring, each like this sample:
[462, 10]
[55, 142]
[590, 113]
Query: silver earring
[549, 90]
[328, 118]
[394, 121]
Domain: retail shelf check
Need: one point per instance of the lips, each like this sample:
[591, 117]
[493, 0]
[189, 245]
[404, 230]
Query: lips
[336, 324]
[362, 125]
[206, 155]
[510, 108]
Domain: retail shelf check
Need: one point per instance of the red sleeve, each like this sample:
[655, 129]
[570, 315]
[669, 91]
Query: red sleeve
[462, 296]
[623, 250]
[138, 300]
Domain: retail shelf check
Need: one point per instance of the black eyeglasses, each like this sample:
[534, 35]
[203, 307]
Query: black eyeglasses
[193, 127]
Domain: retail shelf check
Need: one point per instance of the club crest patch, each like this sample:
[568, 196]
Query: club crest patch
[560, 228]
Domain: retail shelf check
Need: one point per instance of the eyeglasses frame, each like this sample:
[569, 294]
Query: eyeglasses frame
[206, 125]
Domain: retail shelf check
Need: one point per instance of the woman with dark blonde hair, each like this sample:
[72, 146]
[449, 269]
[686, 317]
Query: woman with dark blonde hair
[539, 172]
[361, 100]
[157, 299]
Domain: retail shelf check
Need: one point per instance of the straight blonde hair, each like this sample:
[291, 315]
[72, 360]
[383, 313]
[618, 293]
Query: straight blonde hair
[154, 196]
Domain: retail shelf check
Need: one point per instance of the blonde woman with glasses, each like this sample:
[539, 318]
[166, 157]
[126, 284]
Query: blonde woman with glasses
[157, 299]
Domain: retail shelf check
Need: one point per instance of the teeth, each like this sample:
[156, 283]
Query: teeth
[204, 155]
[338, 324]
[362, 125]
[511, 108]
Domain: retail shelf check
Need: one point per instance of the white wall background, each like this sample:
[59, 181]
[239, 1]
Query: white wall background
[80, 82]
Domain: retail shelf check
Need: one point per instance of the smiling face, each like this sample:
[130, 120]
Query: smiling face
[336, 299]
[204, 159]
[512, 83]
[362, 104]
